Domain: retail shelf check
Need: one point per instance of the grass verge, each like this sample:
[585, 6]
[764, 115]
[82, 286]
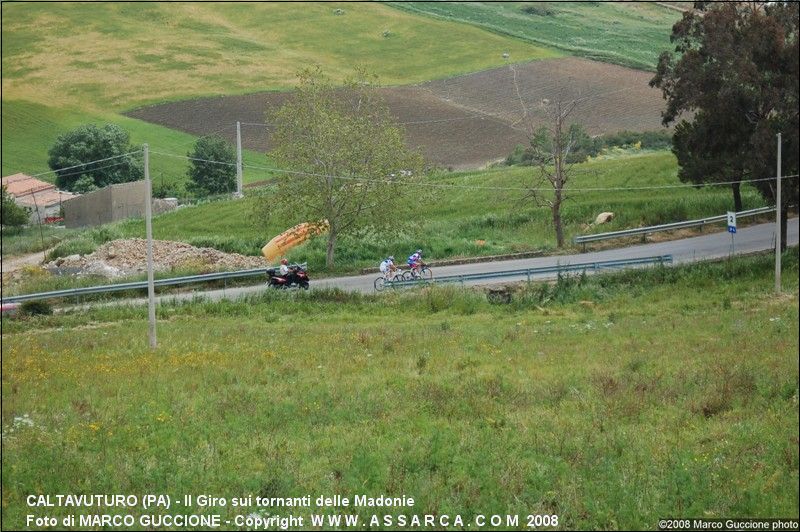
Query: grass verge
[611, 401]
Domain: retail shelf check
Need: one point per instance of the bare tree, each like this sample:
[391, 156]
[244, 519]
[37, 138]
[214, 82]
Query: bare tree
[551, 146]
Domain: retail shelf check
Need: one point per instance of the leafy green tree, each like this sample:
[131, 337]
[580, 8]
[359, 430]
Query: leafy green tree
[212, 167]
[13, 214]
[72, 152]
[732, 87]
[348, 158]
[84, 184]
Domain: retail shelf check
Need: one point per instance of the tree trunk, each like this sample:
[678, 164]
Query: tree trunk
[557, 220]
[331, 247]
[737, 196]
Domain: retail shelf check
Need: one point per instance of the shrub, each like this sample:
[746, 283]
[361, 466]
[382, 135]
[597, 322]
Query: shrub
[590, 147]
[13, 215]
[539, 9]
[75, 246]
[168, 190]
[35, 308]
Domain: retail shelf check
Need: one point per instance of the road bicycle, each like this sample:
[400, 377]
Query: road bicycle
[424, 274]
[389, 277]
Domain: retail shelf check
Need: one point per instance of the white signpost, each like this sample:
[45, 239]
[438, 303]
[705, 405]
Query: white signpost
[732, 227]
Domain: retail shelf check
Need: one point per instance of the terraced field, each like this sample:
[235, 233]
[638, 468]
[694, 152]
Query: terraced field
[459, 122]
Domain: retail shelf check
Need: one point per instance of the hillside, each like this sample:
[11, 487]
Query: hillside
[631, 34]
[68, 63]
[71, 63]
[460, 122]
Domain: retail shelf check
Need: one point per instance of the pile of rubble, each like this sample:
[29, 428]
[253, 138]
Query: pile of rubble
[119, 258]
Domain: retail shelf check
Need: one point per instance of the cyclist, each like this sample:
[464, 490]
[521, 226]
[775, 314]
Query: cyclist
[388, 269]
[415, 262]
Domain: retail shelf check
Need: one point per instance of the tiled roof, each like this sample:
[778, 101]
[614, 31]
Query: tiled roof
[45, 198]
[21, 184]
[30, 191]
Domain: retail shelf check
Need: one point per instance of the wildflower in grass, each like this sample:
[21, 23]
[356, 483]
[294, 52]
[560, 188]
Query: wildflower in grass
[162, 417]
[18, 423]
[94, 427]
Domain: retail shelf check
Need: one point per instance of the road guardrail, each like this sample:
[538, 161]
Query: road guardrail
[529, 272]
[583, 239]
[136, 285]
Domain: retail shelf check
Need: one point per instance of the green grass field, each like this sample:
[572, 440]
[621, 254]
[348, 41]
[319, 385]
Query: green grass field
[452, 221]
[66, 64]
[609, 401]
[112, 56]
[631, 34]
[30, 129]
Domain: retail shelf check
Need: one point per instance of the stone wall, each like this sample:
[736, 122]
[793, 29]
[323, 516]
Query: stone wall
[109, 204]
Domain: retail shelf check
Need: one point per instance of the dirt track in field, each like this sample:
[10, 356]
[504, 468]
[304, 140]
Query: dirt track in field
[461, 122]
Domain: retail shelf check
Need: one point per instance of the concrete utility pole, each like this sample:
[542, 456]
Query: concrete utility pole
[239, 159]
[778, 224]
[148, 217]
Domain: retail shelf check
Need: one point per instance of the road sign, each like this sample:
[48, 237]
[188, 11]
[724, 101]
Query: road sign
[731, 222]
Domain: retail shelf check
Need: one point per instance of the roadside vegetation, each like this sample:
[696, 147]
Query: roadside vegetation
[22, 241]
[447, 222]
[610, 400]
[450, 221]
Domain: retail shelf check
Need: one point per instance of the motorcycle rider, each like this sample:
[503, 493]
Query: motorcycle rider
[388, 269]
[284, 267]
[415, 262]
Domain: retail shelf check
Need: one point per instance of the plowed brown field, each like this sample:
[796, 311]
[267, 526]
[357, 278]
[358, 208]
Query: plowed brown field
[460, 122]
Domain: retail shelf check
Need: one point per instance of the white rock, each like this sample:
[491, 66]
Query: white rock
[604, 217]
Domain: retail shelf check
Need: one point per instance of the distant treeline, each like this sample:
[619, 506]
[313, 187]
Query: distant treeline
[585, 146]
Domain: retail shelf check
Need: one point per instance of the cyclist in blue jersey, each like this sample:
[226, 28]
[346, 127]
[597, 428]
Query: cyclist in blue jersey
[415, 262]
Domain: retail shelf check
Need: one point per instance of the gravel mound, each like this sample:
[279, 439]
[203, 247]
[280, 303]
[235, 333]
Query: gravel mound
[119, 258]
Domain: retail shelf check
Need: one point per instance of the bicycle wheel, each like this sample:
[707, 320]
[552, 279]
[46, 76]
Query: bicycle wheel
[408, 276]
[379, 283]
[426, 273]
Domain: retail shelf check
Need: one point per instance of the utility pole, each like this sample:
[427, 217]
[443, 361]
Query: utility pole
[148, 217]
[39, 217]
[778, 224]
[238, 159]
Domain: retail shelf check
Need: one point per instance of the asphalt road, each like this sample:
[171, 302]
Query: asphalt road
[710, 246]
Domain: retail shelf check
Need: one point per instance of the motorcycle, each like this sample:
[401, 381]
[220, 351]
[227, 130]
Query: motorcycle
[296, 276]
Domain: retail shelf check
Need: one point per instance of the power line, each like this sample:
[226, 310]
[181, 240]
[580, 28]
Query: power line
[86, 163]
[256, 124]
[93, 169]
[191, 158]
[476, 187]
[411, 122]
[207, 135]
